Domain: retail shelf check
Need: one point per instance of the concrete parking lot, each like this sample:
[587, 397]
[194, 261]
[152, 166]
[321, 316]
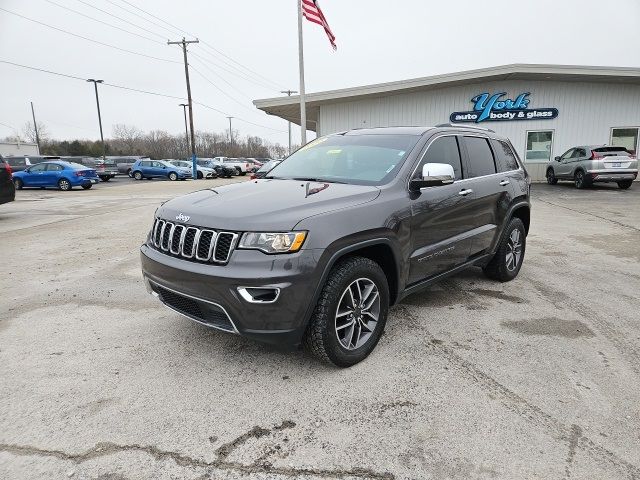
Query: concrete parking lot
[537, 378]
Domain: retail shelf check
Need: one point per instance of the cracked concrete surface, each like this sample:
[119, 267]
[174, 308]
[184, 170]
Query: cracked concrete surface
[537, 378]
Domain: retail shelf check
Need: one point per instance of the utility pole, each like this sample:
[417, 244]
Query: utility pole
[184, 44]
[95, 86]
[186, 128]
[35, 127]
[230, 133]
[303, 106]
[289, 93]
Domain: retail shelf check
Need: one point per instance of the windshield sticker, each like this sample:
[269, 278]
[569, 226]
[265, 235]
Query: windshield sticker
[390, 168]
[334, 152]
[401, 153]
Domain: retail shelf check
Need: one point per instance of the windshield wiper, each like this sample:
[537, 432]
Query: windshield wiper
[319, 180]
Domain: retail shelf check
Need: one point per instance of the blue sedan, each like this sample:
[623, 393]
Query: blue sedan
[58, 174]
[158, 169]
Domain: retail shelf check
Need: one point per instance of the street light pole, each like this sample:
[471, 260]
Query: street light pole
[230, 133]
[186, 128]
[35, 127]
[95, 86]
[289, 92]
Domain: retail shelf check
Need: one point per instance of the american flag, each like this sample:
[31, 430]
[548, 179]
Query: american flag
[312, 12]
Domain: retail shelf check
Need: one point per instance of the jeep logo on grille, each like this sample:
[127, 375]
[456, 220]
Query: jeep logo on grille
[182, 218]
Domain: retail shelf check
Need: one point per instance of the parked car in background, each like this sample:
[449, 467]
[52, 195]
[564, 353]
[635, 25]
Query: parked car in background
[57, 174]
[223, 171]
[241, 166]
[202, 172]
[105, 168]
[585, 165]
[124, 164]
[7, 187]
[265, 169]
[255, 164]
[19, 163]
[158, 169]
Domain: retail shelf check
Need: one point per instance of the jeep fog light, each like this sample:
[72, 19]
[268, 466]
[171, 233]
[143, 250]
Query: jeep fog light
[273, 242]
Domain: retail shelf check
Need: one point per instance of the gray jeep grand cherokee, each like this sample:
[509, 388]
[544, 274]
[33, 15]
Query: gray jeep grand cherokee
[345, 227]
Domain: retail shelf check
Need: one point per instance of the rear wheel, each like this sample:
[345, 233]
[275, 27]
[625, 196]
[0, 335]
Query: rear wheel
[105, 178]
[137, 175]
[64, 184]
[19, 184]
[623, 184]
[551, 177]
[506, 263]
[351, 313]
[173, 176]
[199, 175]
[87, 186]
[128, 172]
[580, 179]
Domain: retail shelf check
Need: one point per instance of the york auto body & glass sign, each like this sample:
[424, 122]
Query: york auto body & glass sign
[495, 108]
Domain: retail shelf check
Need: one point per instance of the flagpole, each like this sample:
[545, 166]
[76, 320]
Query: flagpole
[303, 107]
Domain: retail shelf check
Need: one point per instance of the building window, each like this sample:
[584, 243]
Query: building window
[626, 137]
[539, 146]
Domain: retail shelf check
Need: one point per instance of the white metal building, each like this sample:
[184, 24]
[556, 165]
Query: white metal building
[19, 149]
[543, 109]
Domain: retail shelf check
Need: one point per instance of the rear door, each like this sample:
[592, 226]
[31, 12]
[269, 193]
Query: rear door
[491, 195]
[52, 174]
[440, 216]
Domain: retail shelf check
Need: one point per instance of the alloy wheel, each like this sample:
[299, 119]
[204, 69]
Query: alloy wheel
[64, 184]
[514, 250]
[357, 314]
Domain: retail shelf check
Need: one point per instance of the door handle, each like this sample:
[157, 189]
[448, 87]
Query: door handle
[466, 192]
[504, 182]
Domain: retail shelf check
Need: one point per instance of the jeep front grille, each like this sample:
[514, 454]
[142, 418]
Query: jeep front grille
[193, 243]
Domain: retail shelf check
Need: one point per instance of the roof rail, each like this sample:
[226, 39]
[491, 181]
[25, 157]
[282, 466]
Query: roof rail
[457, 125]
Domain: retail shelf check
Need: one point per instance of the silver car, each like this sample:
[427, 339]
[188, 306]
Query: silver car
[596, 163]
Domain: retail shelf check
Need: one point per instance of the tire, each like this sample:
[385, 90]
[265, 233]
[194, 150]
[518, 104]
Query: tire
[323, 335]
[242, 174]
[64, 185]
[199, 175]
[87, 186]
[19, 184]
[551, 177]
[238, 171]
[623, 184]
[129, 173]
[580, 180]
[173, 176]
[105, 178]
[500, 267]
[138, 175]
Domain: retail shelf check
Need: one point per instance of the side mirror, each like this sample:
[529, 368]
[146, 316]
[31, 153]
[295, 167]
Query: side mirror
[433, 175]
[557, 159]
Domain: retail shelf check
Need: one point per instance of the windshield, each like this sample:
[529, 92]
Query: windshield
[268, 166]
[357, 159]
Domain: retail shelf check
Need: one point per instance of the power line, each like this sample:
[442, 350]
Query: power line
[217, 88]
[239, 73]
[100, 21]
[43, 70]
[145, 19]
[231, 85]
[88, 39]
[121, 19]
[206, 44]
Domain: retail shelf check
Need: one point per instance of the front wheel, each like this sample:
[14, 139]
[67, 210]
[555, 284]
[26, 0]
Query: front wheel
[64, 184]
[199, 175]
[19, 184]
[137, 175]
[351, 313]
[173, 176]
[506, 263]
[105, 178]
[551, 177]
[623, 184]
[580, 180]
[87, 186]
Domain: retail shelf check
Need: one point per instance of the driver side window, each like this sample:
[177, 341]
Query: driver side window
[443, 150]
[567, 154]
[38, 168]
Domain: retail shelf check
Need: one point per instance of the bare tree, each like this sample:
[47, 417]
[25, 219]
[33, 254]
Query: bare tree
[30, 132]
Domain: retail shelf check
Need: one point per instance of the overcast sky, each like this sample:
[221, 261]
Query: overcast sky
[377, 41]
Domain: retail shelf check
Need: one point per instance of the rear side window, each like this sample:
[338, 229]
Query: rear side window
[443, 150]
[16, 162]
[506, 159]
[481, 161]
[53, 167]
[600, 150]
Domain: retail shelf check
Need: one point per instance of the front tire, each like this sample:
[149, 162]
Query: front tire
[19, 184]
[87, 186]
[580, 180]
[199, 175]
[105, 178]
[64, 185]
[173, 176]
[351, 313]
[506, 263]
[551, 177]
[623, 184]
[138, 175]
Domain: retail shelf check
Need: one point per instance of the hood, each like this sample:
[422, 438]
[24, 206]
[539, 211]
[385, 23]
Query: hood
[264, 205]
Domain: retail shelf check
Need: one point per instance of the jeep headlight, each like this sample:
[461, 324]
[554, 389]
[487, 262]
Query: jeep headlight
[273, 242]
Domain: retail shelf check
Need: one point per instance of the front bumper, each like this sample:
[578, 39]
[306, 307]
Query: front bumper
[212, 291]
